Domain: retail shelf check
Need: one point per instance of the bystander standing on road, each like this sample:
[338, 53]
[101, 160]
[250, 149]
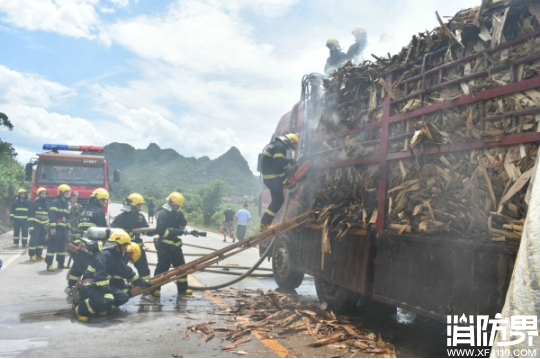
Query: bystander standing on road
[151, 211]
[242, 218]
[227, 223]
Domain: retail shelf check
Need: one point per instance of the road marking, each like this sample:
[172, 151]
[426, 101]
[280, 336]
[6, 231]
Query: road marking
[270, 343]
[12, 259]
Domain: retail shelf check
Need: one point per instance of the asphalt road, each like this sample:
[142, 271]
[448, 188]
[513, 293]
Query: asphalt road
[36, 319]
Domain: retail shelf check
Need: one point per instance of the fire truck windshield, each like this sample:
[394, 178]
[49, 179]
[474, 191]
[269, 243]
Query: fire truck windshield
[76, 173]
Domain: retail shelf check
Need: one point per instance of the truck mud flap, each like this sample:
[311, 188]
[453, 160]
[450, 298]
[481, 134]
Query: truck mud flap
[348, 264]
[435, 277]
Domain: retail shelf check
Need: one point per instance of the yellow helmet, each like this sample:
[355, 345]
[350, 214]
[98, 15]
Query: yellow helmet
[333, 42]
[100, 193]
[293, 140]
[63, 188]
[133, 251]
[134, 199]
[120, 237]
[22, 190]
[41, 189]
[176, 198]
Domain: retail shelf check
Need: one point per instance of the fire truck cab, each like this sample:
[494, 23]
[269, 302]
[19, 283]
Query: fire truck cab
[83, 172]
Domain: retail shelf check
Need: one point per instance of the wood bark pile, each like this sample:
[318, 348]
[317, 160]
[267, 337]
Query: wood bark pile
[272, 315]
[472, 193]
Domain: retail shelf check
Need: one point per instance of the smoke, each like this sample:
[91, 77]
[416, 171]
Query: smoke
[356, 49]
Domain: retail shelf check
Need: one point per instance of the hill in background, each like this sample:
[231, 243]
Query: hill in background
[155, 171]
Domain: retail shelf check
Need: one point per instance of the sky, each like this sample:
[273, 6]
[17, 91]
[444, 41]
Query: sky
[198, 76]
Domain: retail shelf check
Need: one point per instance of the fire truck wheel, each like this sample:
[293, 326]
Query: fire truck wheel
[285, 265]
[338, 298]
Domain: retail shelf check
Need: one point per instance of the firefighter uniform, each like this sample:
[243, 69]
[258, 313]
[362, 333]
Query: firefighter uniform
[91, 216]
[19, 217]
[74, 213]
[59, 220]
[169, 250]
[273, 164]
[128, 221]
[38, 219]
[97, 295]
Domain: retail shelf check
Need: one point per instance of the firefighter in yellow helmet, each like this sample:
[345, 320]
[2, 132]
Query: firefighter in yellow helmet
[18, 215]
[337, 57]
[59, 228]
[92, 216]
[38, 220]
[273, 163]
[96, 294]
[129, 219]
[170, 225]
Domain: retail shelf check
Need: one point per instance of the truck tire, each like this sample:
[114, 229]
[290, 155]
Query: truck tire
[285, 265]
[338, 298]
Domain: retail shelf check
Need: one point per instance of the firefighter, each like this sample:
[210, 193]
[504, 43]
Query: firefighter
[337, 57]
[60, 230]
[273, 163]
[91, 216]
[19, 218]
[38, 218]
[130, 219]
[171, 223]
[96, 295]
[360, 40]
[75, 210]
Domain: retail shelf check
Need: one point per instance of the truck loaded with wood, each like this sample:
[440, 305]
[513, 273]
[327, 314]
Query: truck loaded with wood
[421, 162]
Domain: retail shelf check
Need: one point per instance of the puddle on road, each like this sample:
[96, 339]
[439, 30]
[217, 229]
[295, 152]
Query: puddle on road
[45, 315]
[10, 348]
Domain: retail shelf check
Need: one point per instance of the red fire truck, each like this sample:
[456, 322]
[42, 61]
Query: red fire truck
[83, 172]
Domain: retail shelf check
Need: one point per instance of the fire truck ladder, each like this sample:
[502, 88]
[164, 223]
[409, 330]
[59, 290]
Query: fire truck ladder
[221, 254]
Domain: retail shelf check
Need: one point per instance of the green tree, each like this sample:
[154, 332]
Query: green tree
[210, 199]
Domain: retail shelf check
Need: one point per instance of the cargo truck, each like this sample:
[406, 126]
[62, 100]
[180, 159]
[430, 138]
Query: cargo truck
[427, 155]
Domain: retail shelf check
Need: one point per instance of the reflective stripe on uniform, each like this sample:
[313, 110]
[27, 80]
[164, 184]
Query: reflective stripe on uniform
[279, 155]
[86, 224]
[172, 243]
[73, 277]
[181, 280]
[273, 176]
[266, 153]
[87, 302]
[102, 282]
[109, 296]
[134, 278]
[273, 214]
[91, 269]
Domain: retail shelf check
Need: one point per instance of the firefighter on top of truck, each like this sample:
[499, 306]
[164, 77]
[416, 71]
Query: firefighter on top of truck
[60, 230]
[337, 57]
[171, 223]
[273, 163]
[38, 220]
[96, 294]
[91, 216]
[131, 218]
[18, 216]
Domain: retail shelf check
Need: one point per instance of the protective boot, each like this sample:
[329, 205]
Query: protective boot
[156, 293]
[102, 314]
[81, 318]
[33, 258]
[50, 268]
[41, 258]
[182, 290]
[15, 246]
[63, 266]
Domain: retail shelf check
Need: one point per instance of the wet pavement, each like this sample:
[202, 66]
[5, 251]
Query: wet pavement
[36, 319]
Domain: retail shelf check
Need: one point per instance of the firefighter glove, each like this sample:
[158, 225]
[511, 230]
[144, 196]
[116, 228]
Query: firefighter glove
[139, 282]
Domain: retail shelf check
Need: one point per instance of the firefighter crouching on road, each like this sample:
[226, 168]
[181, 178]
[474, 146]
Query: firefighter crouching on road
[273, 163]
[38, 218]
[97, 296]
[18, 216]
[131, 218]
[171, 223]
[91, 216]
[59, 221]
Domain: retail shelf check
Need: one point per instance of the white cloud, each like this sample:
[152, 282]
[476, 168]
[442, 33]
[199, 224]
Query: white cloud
[28, 89]
[69, 18]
